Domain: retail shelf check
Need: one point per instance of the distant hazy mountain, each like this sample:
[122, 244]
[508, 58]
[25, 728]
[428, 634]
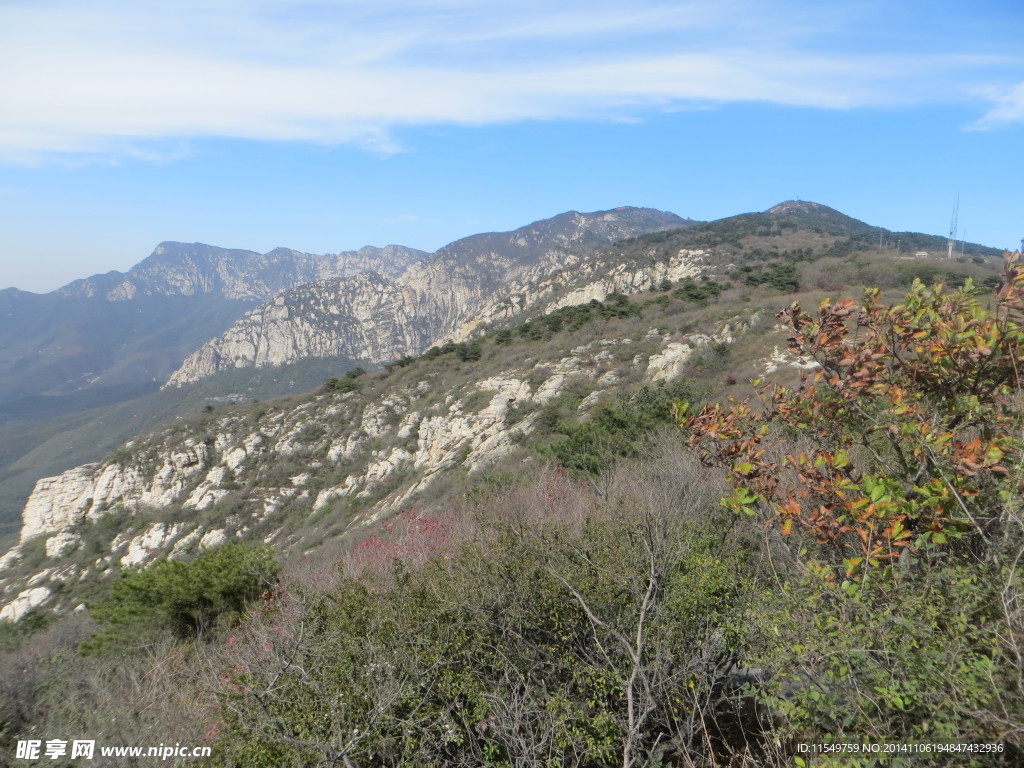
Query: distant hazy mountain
[194, 269]
[69, 356]
[135, 327]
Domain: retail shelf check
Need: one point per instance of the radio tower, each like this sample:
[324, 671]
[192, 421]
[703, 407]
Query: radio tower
[951, 242]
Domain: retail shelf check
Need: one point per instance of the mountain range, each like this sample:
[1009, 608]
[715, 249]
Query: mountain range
[473, 507]
[136, 327]
[77, 360]
[81, 366]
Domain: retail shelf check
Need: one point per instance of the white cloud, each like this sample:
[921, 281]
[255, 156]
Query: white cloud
[1009, 106]
[119, 78]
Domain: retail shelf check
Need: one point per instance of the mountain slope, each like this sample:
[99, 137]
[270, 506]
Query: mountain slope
[791, 226]
[137, 326]
[293, 471]
[192, 269]
[433, 297]
[376, 318]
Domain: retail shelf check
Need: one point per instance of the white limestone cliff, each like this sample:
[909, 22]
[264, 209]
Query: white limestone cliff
[57, 503]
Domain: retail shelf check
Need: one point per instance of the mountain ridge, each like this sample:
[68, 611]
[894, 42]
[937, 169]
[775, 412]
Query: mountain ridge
[744, 246]
[191, 268]
[438, 294]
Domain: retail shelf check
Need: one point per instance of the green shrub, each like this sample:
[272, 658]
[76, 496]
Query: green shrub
[548, 642]
[613, 431]
[185, 599]
[341, 385]
[781, 276]
[901, 665]
[690, 290]
[899, 514]
[348, 382]
[468, 353]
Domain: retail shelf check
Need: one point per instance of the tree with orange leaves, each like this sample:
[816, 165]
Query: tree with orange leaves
[894, 471]
[910, 412]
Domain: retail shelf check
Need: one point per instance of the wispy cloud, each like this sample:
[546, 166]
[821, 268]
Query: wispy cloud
[118, 78]
[1009, 106]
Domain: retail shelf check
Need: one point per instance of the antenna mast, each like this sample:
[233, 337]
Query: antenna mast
[951, 242]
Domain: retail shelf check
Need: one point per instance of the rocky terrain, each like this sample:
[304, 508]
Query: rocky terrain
[110, 340]
[504, 366]
[340, 459]
[81, 353]
[468, 283]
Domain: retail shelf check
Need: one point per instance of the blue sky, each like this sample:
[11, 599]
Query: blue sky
[325, 125]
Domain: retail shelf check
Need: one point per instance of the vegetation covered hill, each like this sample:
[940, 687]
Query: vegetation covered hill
[798, 231]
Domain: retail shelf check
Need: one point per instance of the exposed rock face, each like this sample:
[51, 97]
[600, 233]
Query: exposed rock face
[673, 358]
[60, 502]
[57, 502]
[156, 537]
[366, 317]
[190, 269]
[577, 281]
[318, 456]
[23, 603]
[442, 298]
[783, 358]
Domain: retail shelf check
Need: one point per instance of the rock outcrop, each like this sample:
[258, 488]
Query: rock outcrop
[366, 317]
[60, 502]
[350, 457]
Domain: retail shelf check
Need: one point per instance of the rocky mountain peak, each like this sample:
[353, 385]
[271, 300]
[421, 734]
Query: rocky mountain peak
[192, 269]
[438, 298]
[800, 206]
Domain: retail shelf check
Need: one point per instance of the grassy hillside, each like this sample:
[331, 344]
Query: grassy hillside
[802, 232]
